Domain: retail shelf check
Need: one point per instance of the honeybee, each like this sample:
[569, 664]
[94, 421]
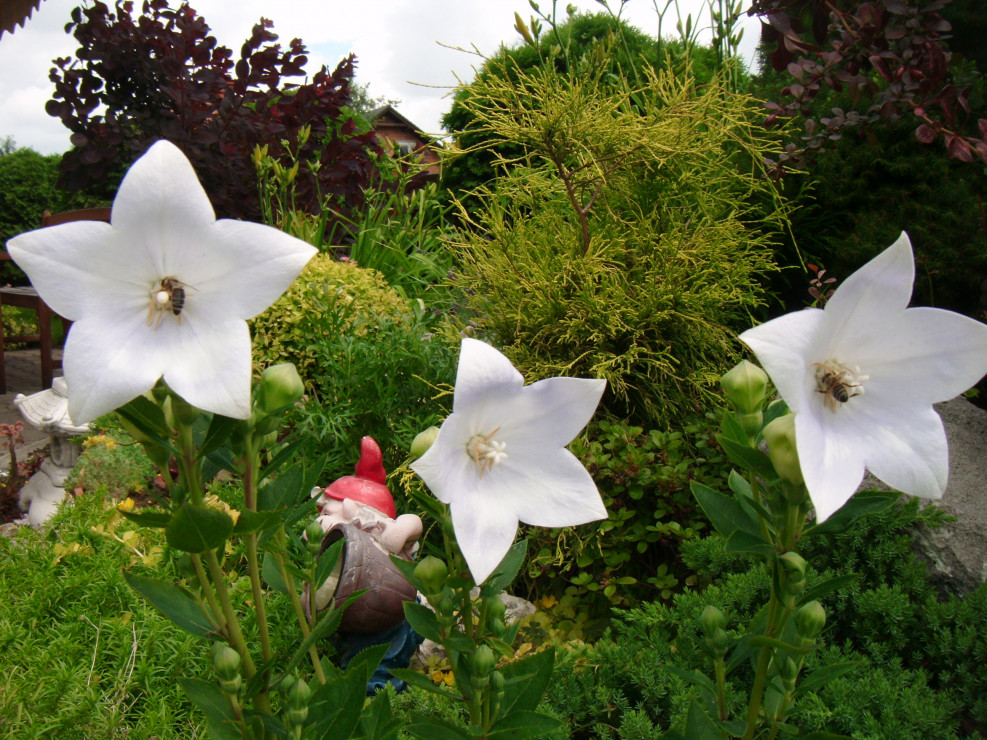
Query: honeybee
[837, 383]
[168, 296]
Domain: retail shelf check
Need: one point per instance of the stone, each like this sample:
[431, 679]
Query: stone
[956, 552]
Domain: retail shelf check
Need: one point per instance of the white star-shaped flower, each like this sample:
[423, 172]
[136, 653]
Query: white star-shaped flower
[501, 456]
[163, 291]
[861, 376]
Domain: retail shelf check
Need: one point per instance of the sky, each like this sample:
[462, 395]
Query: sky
[414, 51]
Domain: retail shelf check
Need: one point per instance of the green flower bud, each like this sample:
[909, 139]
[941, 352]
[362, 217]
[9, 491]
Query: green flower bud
[298, 694]
[226, 662]
[711, 620]
[431, 573]
[231, 686]
[793, 563]
[810, 620]
[424, 440]
[280, 386]
[745, 386]
[484, 661]
[718, 642]
[751, 423]
[313, 537]
[780, 436]
[787, 669]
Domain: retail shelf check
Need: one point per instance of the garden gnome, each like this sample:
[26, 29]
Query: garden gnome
[360, 510]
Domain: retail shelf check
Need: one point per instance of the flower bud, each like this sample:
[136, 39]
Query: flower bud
[313, 537]
[298, 695]
[422, 442]
[780, 436]
[226, 661]
[280, 386]
[432, 574]
[711, 620]
[810, 620]
[745, 386]
[718, 642]
[483, 664]
[793, 563]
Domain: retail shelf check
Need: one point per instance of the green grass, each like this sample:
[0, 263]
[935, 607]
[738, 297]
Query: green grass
[81, 654]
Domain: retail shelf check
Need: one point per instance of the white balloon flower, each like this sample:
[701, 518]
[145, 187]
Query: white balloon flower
[163, 291]
[861, 376]
[501, 456]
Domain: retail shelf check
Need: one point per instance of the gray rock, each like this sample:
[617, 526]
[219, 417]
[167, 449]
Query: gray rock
[956, 552]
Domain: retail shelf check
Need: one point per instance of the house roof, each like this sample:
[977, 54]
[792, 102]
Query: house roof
[390, 110]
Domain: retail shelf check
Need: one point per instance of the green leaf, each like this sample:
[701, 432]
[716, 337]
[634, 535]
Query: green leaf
[433, 728]
[419, 680]
[378, 721]
[423, 621]
[335, 707]
[211, 701]
[197, 529]
[828, 586]
[505, 573]
[174, 602]
[824, 675]
[765, 641]
[860, 505]
[327, 562]
[744, 542]
[253, 521]
[520, 725]
[694, 677]
[148, 418]
[699, 725]
[730, 428]
[740, 485]
[725, 512]
[526, 680]
[156, 519]
[748, 458]
[271, 574]
[219, 431]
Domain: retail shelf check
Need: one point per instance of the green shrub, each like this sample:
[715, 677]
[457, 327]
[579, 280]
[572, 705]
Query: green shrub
[918, 662]
[644, 480]
[329, 297]
[370, 364]
[630, 239]
[113, 466]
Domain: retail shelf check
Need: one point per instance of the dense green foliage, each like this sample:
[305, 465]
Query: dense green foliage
[369, 362]
[582, 41]
[628, 242]
[910, 677]
[632, 555]
[27, 190]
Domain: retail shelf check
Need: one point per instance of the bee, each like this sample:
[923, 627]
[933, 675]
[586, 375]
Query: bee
[837, 383]
[168, 296]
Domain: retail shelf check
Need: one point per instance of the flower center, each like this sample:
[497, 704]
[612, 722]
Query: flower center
[169, 295]
[838, 383]
[485, 451]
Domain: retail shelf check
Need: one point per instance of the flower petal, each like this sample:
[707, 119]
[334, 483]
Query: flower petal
[107, 364]
[554, 410]
[875, 292]
[908, 451]
[81, 268]
[485, 532]
[785, 348]
[211, 367]
[552, 489]
[832, 463]
[929, 356]
[483, 372]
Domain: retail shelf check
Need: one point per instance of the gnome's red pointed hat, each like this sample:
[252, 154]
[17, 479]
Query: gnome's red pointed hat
[366, 485]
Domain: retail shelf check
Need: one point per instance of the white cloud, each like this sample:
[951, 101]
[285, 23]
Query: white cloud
[401, 47]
